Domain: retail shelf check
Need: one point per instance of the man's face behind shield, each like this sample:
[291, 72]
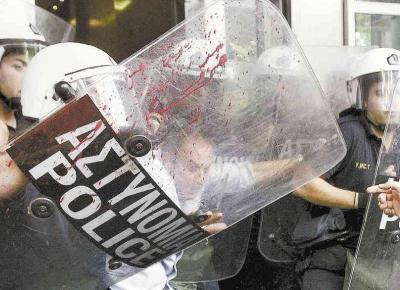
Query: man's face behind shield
[193, 160]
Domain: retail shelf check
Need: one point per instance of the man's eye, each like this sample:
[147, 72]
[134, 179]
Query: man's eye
[18, 67]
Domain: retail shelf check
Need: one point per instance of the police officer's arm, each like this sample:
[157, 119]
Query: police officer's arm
[11, 177]
[320, 192]
[266, 171]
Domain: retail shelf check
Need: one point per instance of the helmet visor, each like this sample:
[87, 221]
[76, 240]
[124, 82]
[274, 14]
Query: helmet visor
[374, 91]
[26, 49]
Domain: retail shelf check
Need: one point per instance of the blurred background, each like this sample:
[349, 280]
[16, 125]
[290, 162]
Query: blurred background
[121, 27]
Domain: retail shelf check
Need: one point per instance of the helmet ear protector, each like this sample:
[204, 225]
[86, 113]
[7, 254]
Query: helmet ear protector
[64, 91]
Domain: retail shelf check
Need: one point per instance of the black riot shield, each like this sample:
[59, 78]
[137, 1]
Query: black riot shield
[376, 261]
[180, 142]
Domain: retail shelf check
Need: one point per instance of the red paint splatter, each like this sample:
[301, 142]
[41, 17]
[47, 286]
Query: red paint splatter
[167, 45]
[172, 57]
[201, 81]
[139, 70]
[193, 87]
[153, 91]
[98, 126]
[135, 71]
[216, 50]
[88, 137]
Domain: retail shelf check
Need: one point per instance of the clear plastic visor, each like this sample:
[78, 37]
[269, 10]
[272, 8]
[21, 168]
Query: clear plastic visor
[375, 91]
[27, 50]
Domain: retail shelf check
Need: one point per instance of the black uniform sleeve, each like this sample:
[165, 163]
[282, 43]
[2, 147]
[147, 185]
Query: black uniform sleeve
[348, 136]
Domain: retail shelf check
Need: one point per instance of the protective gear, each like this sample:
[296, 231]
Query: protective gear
[187, 152]
[376, 263]
[24, 30]
[280, 60]
[279, 68]
[331, 65]
[66, 70]
[198, 58]
[18, 32]
[375, 72]
[288, 231]
[215, 259]
[48, 86]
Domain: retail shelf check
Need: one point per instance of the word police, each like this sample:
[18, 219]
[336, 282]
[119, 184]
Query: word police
[111, 199]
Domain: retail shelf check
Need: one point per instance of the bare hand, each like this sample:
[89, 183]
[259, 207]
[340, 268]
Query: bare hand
[388, 198]
[213, 224]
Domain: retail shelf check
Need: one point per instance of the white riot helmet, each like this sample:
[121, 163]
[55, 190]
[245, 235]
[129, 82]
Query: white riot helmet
[20, 40]
[24, 30]
[280, 70]
[57, 73]
[17, 30]
[280, 60]
[379, 67]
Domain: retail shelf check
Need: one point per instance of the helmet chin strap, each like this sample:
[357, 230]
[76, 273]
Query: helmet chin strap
[13, 104]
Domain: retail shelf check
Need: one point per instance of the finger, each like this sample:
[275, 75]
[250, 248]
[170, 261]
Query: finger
[377, 189]
[212, 218]
[391, 184]
[382, 198]
[216, 217]
[383, 207]
[388, 211]
[382, 202]
[215, 228]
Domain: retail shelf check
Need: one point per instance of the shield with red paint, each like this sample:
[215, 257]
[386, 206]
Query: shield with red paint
[180, 142]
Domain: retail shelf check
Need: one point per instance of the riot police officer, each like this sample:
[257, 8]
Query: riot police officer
[370, 87]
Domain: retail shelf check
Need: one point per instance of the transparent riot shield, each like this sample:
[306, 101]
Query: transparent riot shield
[45, 26]
[331, 65]
[203, 261]
[178, 143]
[376, 261]
[278, 221]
